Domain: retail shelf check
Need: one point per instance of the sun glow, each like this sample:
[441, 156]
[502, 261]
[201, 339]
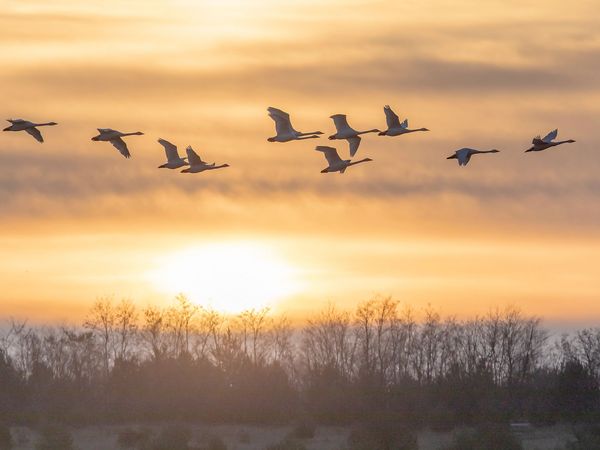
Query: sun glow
[227, 277]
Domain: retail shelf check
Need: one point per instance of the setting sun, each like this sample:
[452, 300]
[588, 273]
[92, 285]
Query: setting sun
[228, 277]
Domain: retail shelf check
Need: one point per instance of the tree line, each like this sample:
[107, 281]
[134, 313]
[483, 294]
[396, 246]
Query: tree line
[377, 362]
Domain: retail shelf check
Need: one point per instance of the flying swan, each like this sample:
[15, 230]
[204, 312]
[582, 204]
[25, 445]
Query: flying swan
[114, 137]
[464, 155]
[345, 131]
[196, 163]
[547, 142]
[174, 161]
[284, 129]
[395, 128]
[29, 127]
[336, 164]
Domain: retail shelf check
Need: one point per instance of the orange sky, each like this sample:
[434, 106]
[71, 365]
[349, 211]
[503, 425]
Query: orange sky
[79, 221]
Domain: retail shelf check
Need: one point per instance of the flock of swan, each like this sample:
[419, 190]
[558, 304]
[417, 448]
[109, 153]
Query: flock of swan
[285, 132]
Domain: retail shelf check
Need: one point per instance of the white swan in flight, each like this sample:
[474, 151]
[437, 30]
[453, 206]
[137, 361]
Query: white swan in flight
[464, 155]
[540, 144]
[284, 129]
[114, 137]
[345, 131]
[29, 127]
[174, 161]
[336, 164]
[196, 163]
[395, 128]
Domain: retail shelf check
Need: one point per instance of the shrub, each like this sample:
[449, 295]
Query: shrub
[54, 437]
[172, 437]
[216, 443]
[134, 438]
[5, 437]
[587, 438]
[304, 429]
[382, 435]
[287, 444]
[243, 436]
[494, 437]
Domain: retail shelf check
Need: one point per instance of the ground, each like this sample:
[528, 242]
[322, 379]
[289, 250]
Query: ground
[239, 437]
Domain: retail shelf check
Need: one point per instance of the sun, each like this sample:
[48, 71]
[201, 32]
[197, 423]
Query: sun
[230, 277]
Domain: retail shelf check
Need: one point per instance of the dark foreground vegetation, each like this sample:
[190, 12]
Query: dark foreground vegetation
[377, 367]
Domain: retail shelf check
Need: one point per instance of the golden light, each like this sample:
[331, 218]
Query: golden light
[228, 277]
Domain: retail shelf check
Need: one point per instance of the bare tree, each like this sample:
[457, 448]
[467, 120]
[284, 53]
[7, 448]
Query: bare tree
[153, 333]
[126, 329]
[101, 321]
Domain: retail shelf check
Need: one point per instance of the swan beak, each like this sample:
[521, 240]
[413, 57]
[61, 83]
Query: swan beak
[528, 150]
[451, 157]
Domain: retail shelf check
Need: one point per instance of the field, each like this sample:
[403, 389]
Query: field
[238, 437]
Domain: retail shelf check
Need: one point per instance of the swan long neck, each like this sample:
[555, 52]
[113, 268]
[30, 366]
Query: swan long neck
[374, 130]
[45, 124]
[568, 141]
[303, 136]
[309, 134]
[360, 161]
[138, 133]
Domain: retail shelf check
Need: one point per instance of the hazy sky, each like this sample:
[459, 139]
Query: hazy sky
[79, 221]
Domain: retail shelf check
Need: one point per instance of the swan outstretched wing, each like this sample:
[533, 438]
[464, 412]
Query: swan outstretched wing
[550, 136]
[331, 154]
[283, 125]
[341, 123]
[170, 150]
[354, 143]
[35, 133]
[404, 124]
[193, 157]
[392, 119]
[278, 112]
[464, 156]
[120, 145]
[537, 140]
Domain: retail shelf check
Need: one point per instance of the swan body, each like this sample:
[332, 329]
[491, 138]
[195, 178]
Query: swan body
[547, 141]
[284, 129]
[345, 131]
[395, 128]
[29, 127]
[115, 138]
[336, 164]
[196, 163]
[464, 155]
[174, 161]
